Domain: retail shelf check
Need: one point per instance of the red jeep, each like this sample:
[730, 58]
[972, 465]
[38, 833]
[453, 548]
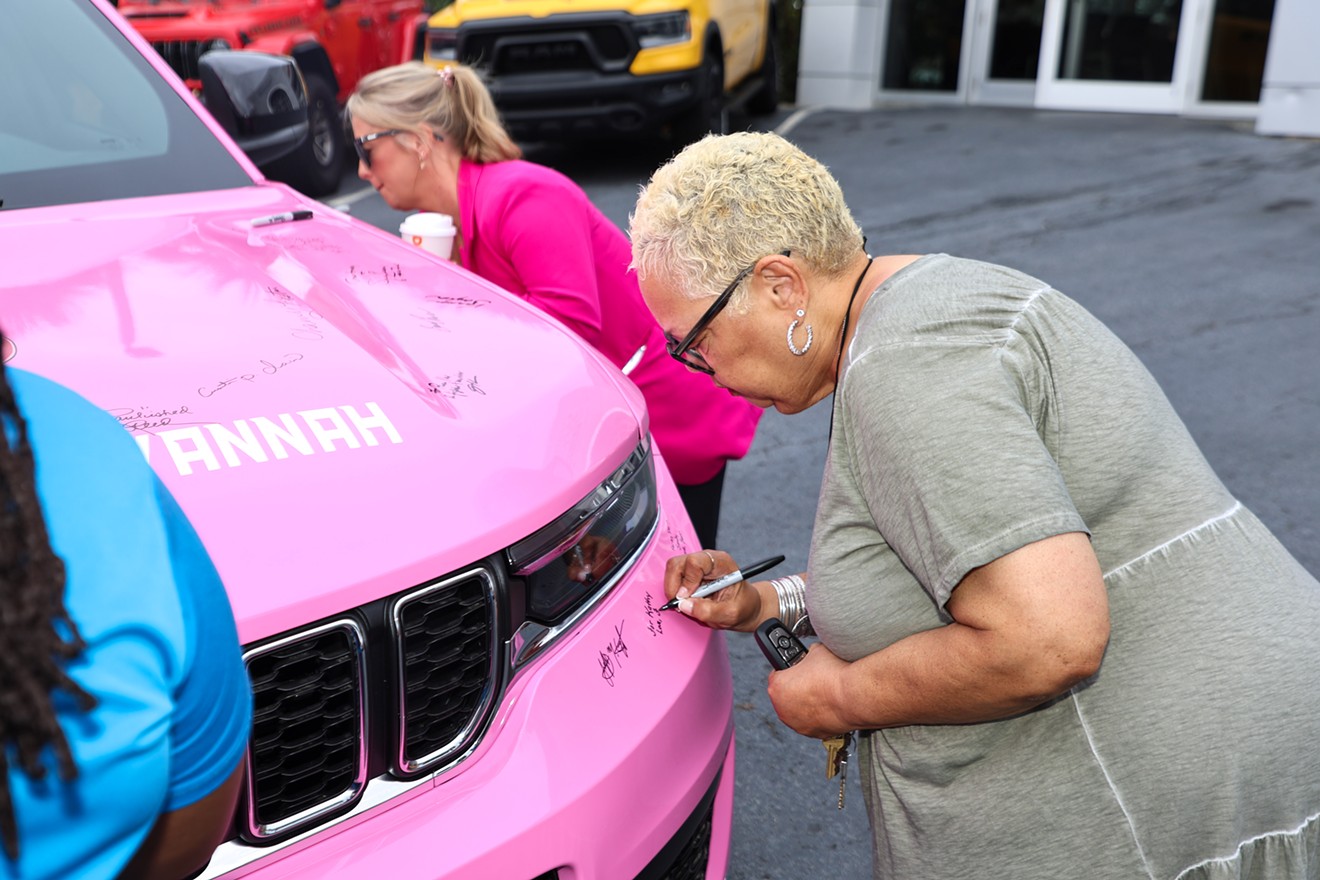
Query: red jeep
[334, 42]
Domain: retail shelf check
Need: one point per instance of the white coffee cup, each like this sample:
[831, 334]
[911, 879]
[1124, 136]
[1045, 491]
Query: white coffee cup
[433, 232]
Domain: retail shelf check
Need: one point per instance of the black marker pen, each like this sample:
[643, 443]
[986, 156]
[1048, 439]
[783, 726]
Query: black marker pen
[728, 580]
[286, 217]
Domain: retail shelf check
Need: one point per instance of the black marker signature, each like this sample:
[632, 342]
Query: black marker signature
[612, 654]
[137, 418]
[383, 275]
[307, 327]
[208, 390]
[446, 300]
[429, 320]
[655, 620]
[271, 369]
[452, 387]
[312, 244]
[677, 542]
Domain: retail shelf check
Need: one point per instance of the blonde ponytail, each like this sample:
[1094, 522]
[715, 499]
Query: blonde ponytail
[484, 138]
[452, 100]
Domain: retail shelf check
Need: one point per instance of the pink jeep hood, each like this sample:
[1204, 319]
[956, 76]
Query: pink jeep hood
[340, 415]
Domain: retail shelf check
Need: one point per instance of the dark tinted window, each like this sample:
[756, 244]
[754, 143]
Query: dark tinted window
[84, 117]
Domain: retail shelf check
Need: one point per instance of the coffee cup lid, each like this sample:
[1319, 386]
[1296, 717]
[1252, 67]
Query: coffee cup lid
[427, 223]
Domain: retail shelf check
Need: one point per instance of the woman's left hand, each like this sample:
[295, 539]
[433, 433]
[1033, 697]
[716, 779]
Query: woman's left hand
[803, 694]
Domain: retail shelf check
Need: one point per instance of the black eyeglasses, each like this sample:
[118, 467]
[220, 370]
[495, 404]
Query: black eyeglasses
[681, 351]
[360, 144]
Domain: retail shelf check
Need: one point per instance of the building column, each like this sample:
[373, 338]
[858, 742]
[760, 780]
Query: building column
[839, 55]
[1290, 94]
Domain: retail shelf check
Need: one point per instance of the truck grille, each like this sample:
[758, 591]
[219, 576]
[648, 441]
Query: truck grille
[182, 56]
[573, 43]
[312, 748]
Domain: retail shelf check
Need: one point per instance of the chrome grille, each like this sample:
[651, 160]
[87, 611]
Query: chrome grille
[306, 756]
[447, 669]
[182, 56]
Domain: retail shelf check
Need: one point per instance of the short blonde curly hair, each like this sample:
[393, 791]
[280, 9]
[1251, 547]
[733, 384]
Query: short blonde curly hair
[726, 201]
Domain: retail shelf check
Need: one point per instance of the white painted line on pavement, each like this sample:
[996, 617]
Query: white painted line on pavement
[792, 122]
[350, 198]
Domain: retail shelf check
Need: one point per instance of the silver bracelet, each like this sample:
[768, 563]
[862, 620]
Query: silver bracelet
[791, 592]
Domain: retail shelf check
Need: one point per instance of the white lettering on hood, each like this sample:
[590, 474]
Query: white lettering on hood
[261, 439]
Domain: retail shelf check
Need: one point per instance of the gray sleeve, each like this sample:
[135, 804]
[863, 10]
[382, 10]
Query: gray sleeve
[944, 442]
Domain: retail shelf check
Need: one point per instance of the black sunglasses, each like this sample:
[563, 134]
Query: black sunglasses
[360, 144]
[681, 351]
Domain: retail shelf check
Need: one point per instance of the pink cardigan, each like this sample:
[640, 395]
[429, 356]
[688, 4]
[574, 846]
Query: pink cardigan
[534, 232]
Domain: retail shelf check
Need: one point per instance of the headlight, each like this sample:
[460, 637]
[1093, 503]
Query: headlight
[574, 561]
[442, 44]
[662, 29]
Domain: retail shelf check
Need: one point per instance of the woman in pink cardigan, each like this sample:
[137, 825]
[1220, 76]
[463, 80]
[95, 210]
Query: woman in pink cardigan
[431, 140]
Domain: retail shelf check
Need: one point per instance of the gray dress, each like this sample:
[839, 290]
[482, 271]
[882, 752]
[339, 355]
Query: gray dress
[980, 410]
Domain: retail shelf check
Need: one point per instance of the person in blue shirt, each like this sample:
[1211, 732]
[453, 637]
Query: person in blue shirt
[124, 704]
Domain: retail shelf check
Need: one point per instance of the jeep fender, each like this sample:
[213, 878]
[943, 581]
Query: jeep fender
[303, 48]
[412, 40]
[314, 62]
[282, 42]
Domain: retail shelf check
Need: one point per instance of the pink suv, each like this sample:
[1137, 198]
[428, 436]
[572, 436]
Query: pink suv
[439, 516]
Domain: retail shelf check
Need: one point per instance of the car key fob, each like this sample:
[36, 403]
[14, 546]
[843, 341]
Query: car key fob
[780, 646]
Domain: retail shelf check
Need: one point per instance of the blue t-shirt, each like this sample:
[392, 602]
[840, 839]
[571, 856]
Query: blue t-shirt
[162, 655]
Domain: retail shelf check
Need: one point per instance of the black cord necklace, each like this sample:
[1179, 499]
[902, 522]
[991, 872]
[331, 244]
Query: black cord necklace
[843, 335]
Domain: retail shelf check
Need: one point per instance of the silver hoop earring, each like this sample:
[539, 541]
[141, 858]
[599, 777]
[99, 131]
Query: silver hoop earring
[792, 328]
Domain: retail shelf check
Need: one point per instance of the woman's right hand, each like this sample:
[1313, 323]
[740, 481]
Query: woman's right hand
[737, 607]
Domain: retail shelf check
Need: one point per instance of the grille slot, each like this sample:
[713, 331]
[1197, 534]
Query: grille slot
[182, 56]
[306, 756]
[691, 862]
[447, 668]
[686, 854]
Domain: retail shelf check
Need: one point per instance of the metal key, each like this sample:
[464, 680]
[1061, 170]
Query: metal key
[843, 767]
[836, 749]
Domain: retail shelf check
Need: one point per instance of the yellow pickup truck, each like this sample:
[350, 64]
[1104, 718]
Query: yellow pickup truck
[568, 69]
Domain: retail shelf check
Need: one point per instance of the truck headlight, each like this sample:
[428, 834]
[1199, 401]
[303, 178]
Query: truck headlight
[579, 556]
[442, 44]
[662, 29]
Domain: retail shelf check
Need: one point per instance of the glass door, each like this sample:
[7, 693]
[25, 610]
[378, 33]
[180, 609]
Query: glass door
[1124, 55]
[1235, 56]
[924, 46]
[1006, 51]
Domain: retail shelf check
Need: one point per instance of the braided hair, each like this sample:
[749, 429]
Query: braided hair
[38, 635]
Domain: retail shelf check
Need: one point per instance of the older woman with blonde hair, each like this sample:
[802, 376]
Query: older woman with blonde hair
[1062, 646]
[431, 140]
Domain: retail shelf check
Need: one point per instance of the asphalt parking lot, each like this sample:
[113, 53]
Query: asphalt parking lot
[1197, 241]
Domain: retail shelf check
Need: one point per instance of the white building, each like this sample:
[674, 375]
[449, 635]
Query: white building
[1249, 59]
